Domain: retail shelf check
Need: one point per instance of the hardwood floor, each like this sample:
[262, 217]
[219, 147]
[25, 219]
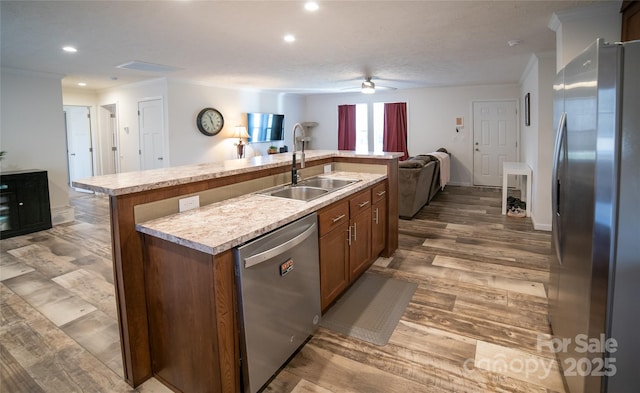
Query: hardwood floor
[477, 322]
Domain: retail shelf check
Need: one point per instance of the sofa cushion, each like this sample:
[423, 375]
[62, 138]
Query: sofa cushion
[411, 164]
[425, 158]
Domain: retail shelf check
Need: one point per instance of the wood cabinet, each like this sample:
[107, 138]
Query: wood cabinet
[630, 20]
[334, 251]
[359, 233]
[350, 239]
[24, 203]
[378, 218]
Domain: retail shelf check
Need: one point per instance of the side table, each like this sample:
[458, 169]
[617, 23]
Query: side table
[516, 168]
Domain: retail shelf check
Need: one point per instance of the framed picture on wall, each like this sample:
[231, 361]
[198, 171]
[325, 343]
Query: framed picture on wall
[527, 109]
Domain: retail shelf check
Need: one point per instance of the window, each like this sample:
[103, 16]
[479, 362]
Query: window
[362, 128]
[367, 136]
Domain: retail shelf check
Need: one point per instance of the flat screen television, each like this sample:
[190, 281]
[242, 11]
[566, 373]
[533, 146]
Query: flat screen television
[265, 127]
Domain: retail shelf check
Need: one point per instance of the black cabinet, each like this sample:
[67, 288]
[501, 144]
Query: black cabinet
[24, 203]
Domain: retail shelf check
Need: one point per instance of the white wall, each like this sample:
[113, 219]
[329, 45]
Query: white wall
[183, 100]
[537, 139]
[431, 116]
[126, 98]
[186, 99]
[529, 134]
[33, 133]
[578, 28]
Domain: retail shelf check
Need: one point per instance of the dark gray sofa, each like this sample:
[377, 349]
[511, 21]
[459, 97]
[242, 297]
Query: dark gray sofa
[418, 183]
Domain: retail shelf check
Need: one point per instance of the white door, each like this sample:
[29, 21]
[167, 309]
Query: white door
[151, 125]
[494, 140]
[109, 159]
[79, 145]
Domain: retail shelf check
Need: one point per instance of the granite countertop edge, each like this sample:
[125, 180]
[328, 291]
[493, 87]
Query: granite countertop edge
[258, 213]
[139, 181]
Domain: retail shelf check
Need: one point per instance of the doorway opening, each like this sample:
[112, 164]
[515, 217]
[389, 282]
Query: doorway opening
[80, 163]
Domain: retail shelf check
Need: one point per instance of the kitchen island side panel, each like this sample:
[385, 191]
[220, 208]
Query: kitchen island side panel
[192, 325]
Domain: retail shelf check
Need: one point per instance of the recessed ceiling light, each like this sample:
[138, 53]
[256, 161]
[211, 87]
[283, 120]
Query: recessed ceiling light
[69, 49]
[289, 38]
[311, 6]
[81, 84]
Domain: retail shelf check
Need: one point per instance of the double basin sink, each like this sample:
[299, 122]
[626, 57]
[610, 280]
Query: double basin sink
[308, 189]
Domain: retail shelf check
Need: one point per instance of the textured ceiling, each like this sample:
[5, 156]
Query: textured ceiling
[239, 44]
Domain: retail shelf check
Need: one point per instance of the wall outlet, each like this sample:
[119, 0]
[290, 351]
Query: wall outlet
[327, 168]
[192, 202]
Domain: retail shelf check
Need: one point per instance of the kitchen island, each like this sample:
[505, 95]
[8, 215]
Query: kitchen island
[231, 214]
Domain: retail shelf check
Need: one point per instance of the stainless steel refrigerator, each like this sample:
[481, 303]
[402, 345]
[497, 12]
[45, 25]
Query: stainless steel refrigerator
[594, 292]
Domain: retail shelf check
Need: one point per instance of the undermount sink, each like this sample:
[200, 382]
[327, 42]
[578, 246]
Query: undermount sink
[327, 183]
[299, 192]
[308, 189]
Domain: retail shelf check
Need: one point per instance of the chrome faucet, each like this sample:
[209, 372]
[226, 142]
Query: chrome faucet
[294, 170]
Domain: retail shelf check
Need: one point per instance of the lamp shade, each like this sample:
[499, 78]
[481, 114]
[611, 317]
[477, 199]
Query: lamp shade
[240, 132]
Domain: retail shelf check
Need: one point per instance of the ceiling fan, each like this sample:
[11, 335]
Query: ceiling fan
[368, 86]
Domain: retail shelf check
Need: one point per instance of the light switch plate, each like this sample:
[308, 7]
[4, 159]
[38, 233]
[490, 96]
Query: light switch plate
[192, 202]
[327, 168]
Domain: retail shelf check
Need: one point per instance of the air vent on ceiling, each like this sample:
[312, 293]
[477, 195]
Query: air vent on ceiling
[143, 66]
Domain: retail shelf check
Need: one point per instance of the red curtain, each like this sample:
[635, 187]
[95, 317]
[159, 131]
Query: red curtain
[395, 128]
[346, 127]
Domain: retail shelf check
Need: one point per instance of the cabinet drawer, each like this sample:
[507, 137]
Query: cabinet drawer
[379, 192]
[359, 202]
[333, 216]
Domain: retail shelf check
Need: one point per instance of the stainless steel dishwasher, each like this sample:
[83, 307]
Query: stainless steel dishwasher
[278, 278]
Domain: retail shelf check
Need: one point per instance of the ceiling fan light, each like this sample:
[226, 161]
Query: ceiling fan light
[368, 87]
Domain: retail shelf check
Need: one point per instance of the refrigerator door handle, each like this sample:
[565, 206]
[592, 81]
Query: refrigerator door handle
[555, 185]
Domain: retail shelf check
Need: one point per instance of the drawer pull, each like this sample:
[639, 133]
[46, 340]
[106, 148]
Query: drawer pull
[381, 193]
[363, 204]
[336, 219]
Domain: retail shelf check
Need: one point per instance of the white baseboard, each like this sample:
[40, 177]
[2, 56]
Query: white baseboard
[62, 214]
[539, 226]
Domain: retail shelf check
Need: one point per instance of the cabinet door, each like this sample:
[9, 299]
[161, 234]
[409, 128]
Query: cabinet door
[360, 250]
[33, 203]
[379, 227]
[24, 203]
[379, 219]
[334, 268]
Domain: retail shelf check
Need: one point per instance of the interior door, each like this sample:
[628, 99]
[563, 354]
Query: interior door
[109, 156]
[79, 143]
[151, 125]
[494, 140]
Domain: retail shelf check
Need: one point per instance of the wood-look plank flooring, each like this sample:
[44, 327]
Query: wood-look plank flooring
[475, 323]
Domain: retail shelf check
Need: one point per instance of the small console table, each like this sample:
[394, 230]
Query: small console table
[515, 168]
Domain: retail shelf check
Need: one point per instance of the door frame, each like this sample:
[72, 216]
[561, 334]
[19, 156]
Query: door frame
[105, 134]
[473, 133]
[92, 137]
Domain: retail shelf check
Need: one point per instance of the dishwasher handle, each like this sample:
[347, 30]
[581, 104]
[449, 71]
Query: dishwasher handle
[282, 248]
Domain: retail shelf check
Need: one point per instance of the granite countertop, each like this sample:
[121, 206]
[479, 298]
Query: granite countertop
[223, 225]
[138, 181]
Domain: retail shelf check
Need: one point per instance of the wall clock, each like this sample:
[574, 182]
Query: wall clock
[210, 121]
